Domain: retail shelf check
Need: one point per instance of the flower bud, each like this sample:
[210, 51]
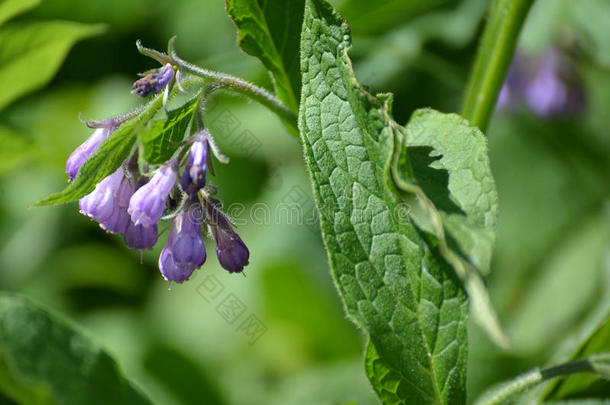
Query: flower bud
[184, 251]
[232, 252]
[85, 150]
[147, 204]
[193, 177]
[154, 82]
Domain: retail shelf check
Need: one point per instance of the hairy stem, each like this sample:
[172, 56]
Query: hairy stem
[493, 59]
[235, 84]
[595, 364]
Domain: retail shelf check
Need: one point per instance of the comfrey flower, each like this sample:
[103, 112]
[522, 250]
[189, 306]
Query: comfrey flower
[232, 252]
[554, 88]
[547, 84]
[195, 169]
[127, 202]
[139, 236]
[107, 204]
[147, 205]
[154, 82]
[88, 148]
[184, 251]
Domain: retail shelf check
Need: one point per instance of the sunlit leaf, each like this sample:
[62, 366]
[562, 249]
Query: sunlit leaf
[394, 284]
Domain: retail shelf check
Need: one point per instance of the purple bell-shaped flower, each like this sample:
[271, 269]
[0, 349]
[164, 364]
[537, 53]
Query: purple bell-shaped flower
[147, 204]
[184, 251]
[107, 204]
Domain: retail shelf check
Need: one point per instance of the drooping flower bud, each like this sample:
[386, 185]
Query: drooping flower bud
[107, 203]
[184, 251]
[195, 169]
[147, 204]
[232, 252]
[86, 149]
[154, 82]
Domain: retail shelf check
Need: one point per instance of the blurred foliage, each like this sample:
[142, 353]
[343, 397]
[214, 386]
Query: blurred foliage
[550, 270]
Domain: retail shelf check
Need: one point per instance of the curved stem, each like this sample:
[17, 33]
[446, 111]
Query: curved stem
[233, 83]
[493, 59]
[499, 394]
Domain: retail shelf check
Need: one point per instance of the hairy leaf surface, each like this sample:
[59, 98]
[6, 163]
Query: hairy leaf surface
[394, 284]
[44, 360]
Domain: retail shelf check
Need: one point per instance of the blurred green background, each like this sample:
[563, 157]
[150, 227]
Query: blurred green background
[551, 269]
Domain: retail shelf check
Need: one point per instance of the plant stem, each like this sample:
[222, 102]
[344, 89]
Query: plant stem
[504, 391]
[493, 59]
[237, 85]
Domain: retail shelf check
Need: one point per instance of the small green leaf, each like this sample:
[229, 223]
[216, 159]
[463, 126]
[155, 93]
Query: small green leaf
[394, 284]
[31, 54]
[12, 8]
[45, 360]
[385, 380]
[161, 138]
[445, 174]
[105, 161]
[270, 30]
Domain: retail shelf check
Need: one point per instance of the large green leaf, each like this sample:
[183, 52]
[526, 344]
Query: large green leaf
[11, 8]
[270, 30]
[161, 138]
[31, 53]
[394, 284]
[45, 360]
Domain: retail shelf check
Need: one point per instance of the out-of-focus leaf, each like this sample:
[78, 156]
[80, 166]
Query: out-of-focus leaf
[14, 149]
[270, 30]
[585, 21]
[368, 17]
[405, 44]
[161, 138]
[319, 326]
[338, 383]
[12, 8]
[186, 380]
[31, 53]
[575, 272]
[44, 360]
[393, 283]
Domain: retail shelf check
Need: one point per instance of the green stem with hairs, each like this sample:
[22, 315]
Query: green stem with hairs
[223, 80]
[493, 59]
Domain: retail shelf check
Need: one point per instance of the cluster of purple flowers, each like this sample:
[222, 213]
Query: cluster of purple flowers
[129, 203]
[547, 83]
